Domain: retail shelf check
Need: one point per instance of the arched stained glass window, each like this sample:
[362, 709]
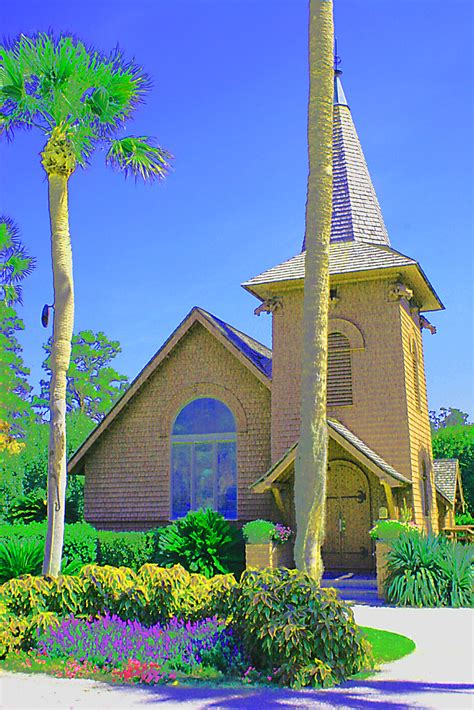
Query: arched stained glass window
[204, 459]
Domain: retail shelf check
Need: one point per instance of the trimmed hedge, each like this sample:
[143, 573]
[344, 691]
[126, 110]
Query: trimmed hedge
[124, 549]
[80, 539]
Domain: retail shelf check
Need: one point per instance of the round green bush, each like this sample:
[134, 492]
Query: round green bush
[202, 542]
[296, 631]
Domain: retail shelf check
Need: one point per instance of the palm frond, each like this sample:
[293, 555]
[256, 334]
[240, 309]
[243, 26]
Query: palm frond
[15, 263]
[140, 157]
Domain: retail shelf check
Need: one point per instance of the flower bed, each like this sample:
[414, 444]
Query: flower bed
[149, 624]
[111, 642]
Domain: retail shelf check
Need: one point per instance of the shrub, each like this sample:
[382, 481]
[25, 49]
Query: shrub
[427, 570]
[153, 540]
[202, 542]
[28, 508]
[112, 589]
[390, 529]
[32, 507]
[287, 621]
[464, 519]
[124, 549]
[27, 595]
[455, 564]
[20, 557]
[258, 531]
[80, 541]
[13, 634]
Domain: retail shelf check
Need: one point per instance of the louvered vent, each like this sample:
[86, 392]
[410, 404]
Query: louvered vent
[339, 371]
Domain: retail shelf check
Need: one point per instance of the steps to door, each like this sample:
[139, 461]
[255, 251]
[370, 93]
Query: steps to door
[354, 588]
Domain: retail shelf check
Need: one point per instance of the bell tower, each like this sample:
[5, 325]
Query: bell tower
[376, 376]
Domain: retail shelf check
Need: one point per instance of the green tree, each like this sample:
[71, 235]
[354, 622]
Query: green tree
[457, 442]
[92, 386]
[311, 460]
[15, 265]
[27, 471]
[79, 99]
[447, 416]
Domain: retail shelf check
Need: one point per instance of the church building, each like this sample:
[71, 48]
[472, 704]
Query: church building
[213, 419]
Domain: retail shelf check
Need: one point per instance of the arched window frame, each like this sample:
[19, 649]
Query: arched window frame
[219, 446]
[354, 341]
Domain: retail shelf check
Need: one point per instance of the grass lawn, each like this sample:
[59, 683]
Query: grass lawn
[386, 647]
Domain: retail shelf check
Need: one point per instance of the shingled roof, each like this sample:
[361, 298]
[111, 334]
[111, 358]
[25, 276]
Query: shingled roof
[446, 472]
[349, 441]
[344, 257]
[356, 213]
[359, 238]
[259, 354]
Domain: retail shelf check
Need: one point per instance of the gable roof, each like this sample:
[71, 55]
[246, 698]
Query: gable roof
[280, 470]
[252, 354]
[257, 353]
[447, 477]
[356, 213]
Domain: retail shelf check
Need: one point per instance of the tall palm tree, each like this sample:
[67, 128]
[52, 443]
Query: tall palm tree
[311, 461]
[79, 99]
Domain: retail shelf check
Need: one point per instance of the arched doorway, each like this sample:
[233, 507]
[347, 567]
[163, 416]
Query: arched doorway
[348, 518]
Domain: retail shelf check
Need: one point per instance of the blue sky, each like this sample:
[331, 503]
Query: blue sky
[229, 101]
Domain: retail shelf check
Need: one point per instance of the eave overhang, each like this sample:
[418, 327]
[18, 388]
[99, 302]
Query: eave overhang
[281, 470]
[412, 274]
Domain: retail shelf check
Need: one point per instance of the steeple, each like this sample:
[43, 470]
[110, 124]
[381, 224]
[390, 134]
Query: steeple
[356, 214]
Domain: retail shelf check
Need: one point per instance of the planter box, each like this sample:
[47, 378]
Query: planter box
[381, 551]
[269, 554]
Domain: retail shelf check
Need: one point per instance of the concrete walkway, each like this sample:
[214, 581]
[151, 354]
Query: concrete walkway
[439, 674]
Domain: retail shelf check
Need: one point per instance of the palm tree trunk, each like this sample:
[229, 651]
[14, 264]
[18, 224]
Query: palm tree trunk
[60, 357]
[311, 461]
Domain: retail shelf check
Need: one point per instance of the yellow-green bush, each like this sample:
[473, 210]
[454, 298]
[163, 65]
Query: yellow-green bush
[288, 622]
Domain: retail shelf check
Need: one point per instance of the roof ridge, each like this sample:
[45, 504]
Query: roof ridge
[236, 330]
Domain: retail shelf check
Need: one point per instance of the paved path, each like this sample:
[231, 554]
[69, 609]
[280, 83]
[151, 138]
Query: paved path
[439, 674]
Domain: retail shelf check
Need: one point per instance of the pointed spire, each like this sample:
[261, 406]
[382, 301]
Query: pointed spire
[339, 95]
[356, 214]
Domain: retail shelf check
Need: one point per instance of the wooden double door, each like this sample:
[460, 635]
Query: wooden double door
[348, 518]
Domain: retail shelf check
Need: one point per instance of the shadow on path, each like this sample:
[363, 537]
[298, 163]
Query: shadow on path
[360, 695]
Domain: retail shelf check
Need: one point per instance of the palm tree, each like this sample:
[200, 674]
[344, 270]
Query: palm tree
[15, 265]
[79, 99]
[311, 461]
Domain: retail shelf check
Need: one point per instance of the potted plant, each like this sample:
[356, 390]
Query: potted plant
[383, 532]
[267, 544]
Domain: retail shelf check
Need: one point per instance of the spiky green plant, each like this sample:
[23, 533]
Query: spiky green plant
[79, 99]
[19, 557]
[413, 574]
[428, 570]
[456, 566]
[202, 542]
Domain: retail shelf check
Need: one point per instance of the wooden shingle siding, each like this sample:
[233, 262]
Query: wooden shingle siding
[378, 414]
[128, 468]
[418, 420]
